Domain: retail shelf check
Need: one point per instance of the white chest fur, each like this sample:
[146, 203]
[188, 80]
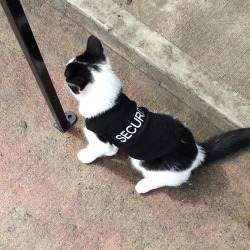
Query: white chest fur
[99, 96]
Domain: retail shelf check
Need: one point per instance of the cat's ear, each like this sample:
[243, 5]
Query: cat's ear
[94, 46]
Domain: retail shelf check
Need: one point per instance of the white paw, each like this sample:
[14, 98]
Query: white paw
[143, 186]
[112, 151]
[85, 156]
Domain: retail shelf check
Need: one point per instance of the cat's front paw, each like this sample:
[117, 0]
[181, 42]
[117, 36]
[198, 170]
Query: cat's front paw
[112, 151]
[85, 156]
[143, 186]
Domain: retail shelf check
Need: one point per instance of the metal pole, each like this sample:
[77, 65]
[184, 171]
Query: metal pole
[19, 23]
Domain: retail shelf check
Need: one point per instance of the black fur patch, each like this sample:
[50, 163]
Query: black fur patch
[93, 53]
[180, 158]
[226, 144]
[89, 59]
[78, 73]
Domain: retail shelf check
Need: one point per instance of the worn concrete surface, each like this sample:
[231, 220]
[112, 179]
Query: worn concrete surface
[202, 45]
[49, 200]
[214, 33]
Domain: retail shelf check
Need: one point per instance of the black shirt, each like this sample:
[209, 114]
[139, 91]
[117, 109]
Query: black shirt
[141, 134]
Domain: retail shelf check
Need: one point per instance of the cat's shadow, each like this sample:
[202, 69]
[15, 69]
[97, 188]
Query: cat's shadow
[205, 184]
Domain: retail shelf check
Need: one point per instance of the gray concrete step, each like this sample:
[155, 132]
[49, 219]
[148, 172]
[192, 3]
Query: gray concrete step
[119, 27]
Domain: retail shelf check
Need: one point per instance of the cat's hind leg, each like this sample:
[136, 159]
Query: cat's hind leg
[158, 179]
[154, 179]
[147, 184]
[96, 148]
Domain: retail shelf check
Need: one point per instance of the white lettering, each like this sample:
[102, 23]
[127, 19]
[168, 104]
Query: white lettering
[132, 128]
[121, 138]
[126, 135]
[139, 114]
[136, 126]
[129, 131]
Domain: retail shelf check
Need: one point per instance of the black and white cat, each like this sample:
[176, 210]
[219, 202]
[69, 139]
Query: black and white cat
[160, 146]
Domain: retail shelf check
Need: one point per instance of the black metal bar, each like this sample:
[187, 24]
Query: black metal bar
[19, 23]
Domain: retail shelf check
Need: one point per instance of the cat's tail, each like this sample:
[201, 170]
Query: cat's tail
[225, 144]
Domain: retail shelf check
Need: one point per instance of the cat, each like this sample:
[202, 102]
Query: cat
[160, 146]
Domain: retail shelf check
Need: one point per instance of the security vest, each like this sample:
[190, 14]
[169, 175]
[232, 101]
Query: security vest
[141, 134]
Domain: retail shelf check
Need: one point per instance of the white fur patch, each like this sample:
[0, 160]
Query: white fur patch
[95, 148]
[99, 96]
[156, 179]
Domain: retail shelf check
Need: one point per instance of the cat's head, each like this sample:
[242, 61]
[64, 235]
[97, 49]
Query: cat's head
[79, 70]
